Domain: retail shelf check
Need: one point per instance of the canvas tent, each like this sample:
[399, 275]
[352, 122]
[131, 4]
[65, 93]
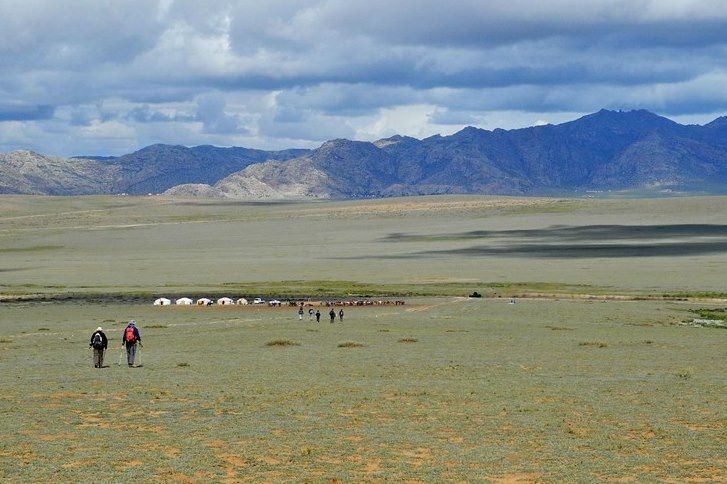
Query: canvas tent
[225, 301]
[162, 301]
[204, 302]
[184, 301]
[242, 302]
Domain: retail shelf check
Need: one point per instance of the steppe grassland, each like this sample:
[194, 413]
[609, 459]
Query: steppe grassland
[487, 390]
[110, 244]
[543, 389]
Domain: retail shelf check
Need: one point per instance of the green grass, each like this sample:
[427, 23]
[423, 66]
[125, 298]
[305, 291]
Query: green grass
[488, 391]
[719, 314]
[337, 289]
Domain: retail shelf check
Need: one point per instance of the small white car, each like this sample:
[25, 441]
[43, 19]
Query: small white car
[258, 300]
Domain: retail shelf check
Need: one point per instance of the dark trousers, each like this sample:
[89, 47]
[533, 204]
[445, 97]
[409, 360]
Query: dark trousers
[130, 353]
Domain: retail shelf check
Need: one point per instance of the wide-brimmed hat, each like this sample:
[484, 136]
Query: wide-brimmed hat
[99, 328]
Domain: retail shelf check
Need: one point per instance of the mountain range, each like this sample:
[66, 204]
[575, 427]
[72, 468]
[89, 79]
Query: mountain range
[607, 150]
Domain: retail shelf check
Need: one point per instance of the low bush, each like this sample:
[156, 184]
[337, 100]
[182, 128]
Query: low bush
[351, 344]
[282, 342]
[597, 344]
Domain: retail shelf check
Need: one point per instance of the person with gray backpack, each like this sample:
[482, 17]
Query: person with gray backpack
[99, 343]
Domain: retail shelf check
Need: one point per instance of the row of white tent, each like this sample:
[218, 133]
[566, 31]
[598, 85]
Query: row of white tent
[223, 301]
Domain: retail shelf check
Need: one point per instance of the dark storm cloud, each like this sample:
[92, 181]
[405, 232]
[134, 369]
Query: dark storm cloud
[271, 73]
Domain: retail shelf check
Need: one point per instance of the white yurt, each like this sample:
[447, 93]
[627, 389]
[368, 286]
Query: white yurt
[204, 302]
[242, 302]
[225, 301]
[184, 301]
[162, 301]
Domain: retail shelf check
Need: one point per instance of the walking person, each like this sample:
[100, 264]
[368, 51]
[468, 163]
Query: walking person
[332, 314]
[99, 342]
[311, 313]
[129, 338]
[340, 315]
[318, 316]
[300, 313]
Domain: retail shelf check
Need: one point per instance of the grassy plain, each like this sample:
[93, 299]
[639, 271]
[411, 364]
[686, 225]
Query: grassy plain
[426, 245]
[443, 388]
[539, 390]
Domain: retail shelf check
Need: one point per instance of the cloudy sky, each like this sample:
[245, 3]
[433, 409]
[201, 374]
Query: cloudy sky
[108, 77]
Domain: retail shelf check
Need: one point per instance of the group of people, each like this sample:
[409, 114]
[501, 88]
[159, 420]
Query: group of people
[317, 314]
[130, 337]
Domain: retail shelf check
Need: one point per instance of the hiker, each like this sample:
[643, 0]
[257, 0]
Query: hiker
[129, 338]
[99, 343]
[332, 314]
[310, 313]
[340, 315]
[300, 313]
[318, 316]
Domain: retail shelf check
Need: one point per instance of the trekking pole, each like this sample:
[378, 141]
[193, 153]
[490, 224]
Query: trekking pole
[121, 356]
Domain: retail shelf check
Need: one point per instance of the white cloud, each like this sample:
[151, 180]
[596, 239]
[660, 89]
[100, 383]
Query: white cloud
[298, 72]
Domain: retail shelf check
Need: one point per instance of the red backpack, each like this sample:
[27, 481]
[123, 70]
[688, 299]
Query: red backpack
[129, 337]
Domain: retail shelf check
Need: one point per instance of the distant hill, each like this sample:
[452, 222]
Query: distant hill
[607, 150]
[150, 170]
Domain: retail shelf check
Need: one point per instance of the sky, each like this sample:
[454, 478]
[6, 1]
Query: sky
[108, 77]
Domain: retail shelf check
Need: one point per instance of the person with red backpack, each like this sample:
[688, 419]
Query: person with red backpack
[129, 338]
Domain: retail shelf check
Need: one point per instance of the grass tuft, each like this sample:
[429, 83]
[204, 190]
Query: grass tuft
[43, 329]
[182, 364]
[597, 344]
[408, 340]
[351, 344]
[156, 326]
[559, 328]
[5, 340]
[282, 342]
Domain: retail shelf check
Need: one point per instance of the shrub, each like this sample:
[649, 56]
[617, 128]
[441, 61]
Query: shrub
[408, 340]
[597, 344]
[282, 342]
[351, 344]
[182, 364]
